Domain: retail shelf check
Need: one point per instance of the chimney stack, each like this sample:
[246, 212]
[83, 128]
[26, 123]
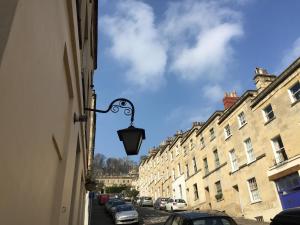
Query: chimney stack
[229, 99]
[262, 78]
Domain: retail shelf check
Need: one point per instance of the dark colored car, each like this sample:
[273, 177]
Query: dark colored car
[199, 218]
[160, 203]
[287, 217]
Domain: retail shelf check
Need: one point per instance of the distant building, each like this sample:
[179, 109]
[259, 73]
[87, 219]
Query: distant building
[120, 180]
[243, 160]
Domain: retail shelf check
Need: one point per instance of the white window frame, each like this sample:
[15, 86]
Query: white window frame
[206, 168]
[195, 165]
[278, 156]
[177, 150]
[249, 159]
[292, 97]
[233, 161]
[251, 192]
[196, 192]
[212, 134]
[202, 141]
[227, 131]
[187, 170]
[218, 190]
[179, 169]
[244, 119]
[192, 144]
[216, 156]
[266, 117]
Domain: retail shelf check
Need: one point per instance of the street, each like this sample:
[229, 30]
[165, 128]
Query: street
[148, 216]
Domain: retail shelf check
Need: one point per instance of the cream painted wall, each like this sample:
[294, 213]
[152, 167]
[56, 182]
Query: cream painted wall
[39, 93]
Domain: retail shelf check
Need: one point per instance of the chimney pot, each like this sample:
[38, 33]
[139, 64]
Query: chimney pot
[230, 99]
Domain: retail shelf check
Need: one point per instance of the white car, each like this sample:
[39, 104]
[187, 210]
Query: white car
[126, 214]
[176, 205]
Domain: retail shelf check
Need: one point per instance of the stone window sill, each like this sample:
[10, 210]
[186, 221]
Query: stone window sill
[242, 126]
[270, 120]
[255, 202]
[295, 102]
[226, 138]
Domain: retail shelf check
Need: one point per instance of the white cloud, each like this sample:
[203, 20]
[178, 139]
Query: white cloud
[136, 42]
[213, 92]
[193, 40]
[201, 34]
[292, 54]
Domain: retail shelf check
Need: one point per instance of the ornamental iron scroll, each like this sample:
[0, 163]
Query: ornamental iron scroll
[115, 106]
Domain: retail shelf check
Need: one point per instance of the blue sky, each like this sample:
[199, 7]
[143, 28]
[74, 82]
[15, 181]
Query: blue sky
[175, 59]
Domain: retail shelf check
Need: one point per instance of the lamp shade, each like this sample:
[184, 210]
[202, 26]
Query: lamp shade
[132, 139]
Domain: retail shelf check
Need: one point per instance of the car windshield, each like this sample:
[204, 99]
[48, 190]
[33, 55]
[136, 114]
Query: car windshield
[180, 201]
[148, 198]
[122, 208]
[213, 221]
[170, 200]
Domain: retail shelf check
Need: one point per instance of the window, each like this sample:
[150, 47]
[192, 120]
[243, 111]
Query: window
[192, 145]
[187, 170]
[195, 165]
[219, 193]
[180, 190]
[233, 159]
[212, 134]
[294, 92]
[227, 131]
[242, 119]
[202, 141]
[176, 149]
[249, 150]
[184, 150]
[179, 169]
[196, 195]
[205, 166]
[280, 154]
[217, 160]
[253, 189]
[171, 156]
[268, 113]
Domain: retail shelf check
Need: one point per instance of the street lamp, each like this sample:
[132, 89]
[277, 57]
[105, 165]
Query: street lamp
[131, 137]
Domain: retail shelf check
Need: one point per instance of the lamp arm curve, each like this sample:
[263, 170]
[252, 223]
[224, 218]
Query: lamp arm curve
[128, 111]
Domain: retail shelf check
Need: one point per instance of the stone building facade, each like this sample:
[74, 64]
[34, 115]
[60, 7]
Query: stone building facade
[243, 160]
[48, 54]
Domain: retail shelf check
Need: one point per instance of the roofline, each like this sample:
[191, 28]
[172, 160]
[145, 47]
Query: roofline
[285, 74]
[209, 120]
[189, 134]
[248, 93]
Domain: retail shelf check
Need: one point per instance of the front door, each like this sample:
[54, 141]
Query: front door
[288, 189]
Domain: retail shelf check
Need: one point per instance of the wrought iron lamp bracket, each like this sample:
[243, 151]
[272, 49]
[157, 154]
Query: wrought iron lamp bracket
[115, 106]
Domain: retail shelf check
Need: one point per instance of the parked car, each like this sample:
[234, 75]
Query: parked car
[199, 218]
[114, 204]
[176, 204]
[103, 198]
[287, 217]
[146, 201]
[111, 202]
[126, 214]
[160, 203]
